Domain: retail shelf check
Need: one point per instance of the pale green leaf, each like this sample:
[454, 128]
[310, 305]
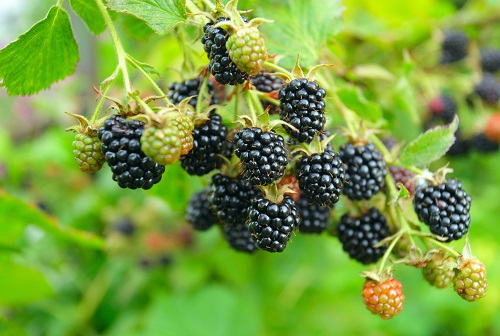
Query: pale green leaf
[90, 14]
[353, 98]
[144, 66]
[429, 146]
[45, 54]
[161, 15]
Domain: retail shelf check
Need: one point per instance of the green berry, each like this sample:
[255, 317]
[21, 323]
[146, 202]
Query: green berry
[185, 128]
[470, 279]
[162, 145]
[87, 152]
[437, 274]
[247, 50]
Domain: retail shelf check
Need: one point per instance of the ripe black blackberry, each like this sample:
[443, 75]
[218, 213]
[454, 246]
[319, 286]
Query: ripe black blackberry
[490, 60]
[262, 155]
[488, 89]
[302, 105]
[482, 144]
[178, 91]
[443, 107]
[445, 208]
[267, 82]
[271, 224]
[122, 148]
[239, 238]
[312, 218]
[454, 47]
[321, 178]
[460, 147]
[365, 170]
[199, 213]
[209, 138]
[359, 235]
[221, 66]
[230, 198]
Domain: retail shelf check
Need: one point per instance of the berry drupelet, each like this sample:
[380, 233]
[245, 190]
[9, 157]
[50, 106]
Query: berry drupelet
[312, 218]
[490, 60]
[199, 213]
[384, 298]
[87, 152]
[239, 238]
[121, 147]
[178, 91]
[470, 279]
[268, 83]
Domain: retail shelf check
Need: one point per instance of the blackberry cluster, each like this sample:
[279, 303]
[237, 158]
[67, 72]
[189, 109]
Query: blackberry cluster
[271, 224]
[488, 89]
[239, 238]
[121, 146]
[231, 199]
[445, 208]
[321, 178]
[490, 60]
[365, 172]
[454, 47]
[359, 235]
[302, 106]
[267, 83]
[312, 218]
[262, 155]
[221, 66]
[443, 108]
[178, 91]
[199, 213]
[482, 144]
[209, 142]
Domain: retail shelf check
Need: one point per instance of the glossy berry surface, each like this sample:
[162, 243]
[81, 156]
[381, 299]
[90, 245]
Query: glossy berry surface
[268, 83]
[87, 153]
[199, 213]
[121, 147]
[239, 238]
[178, 91]
[384, 299]
[312, 218]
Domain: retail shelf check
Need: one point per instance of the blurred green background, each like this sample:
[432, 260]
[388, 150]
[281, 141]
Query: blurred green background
[167, 280]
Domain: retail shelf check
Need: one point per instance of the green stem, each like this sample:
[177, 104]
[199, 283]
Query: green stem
[443, 246]
[149, 78]
[101, 101]
[209, 4]
[389, 250]
[147, 109]
[263, 96]
[59, 3]
[278, 68]
[203, 88]
[120, 51]
[347, 114]
[381, 147]
[249, 101]
[256, 102]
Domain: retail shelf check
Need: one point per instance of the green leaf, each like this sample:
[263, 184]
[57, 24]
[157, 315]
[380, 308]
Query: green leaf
[300, 26]
[90, 14]
[161, 15]
[16, 214]
[45, 54]
[353, 98]
[144, 66]
[9, 328]
[372, 71]
[429, 146]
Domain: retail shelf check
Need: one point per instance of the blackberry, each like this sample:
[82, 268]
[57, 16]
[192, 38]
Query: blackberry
[403, 176]
[262, 155]
[199, 213]
[208, 145]
[125, 226]
[312, 218]
[271, 224]
[444, 108]
[460, 147]
[221, 66]
[247, 49]
[231, 199]
[268, 83]
[454, 47]
[488, 89]
[490, 60]
[470, 279]
[302, 106]
[321, 178]
[482, 144]
[178, 91]
[436, 273]
[87, 152]
[445, 208]
[384, 298]
[365, 170]
[121, 146]
[359, 235]
[239, 238]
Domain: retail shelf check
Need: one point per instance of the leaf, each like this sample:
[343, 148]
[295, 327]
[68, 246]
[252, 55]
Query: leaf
[353, 98]
[300, 26]
[90, 14]
[9, 328]
[144, 66]
[372, 71]
[135, 28]
[429, 146]
[161, 15]
[45, 54]
[16, 214]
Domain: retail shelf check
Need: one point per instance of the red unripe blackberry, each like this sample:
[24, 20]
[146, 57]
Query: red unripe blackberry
[122, 148]
[262, 155]
[239, 238]
[365, 170]
[443, 107]
[230, 198]
[199, 211]
[221, 66]
[384, 298]
[490, 60]
[481, 143]
[445, 208]
[403, 176]
[492, 130]
[267, 82]
[470, 279]
[291, 182]
[488, 89]
[437, 274]
[178, 91]
[312, 218]
[321, 178]
[271, 224]
[208, 144]
[360, 234]
[454, 48]
[302, 105]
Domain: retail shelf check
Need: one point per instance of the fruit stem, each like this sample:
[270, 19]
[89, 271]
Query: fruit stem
[347, 114]
[59, 3]
[264, 96]
[253, 114]
[201, 92]
[101, 101]
[278, 68]
[389, 250]
[441, 245]
[256, 103]
[209, 4]
[147, 109]
[148, 77]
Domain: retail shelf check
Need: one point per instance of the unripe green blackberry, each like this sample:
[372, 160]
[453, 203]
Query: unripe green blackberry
[87, 152]
[470, 279]
[437, 274]
[162, 145]
[247, 49]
